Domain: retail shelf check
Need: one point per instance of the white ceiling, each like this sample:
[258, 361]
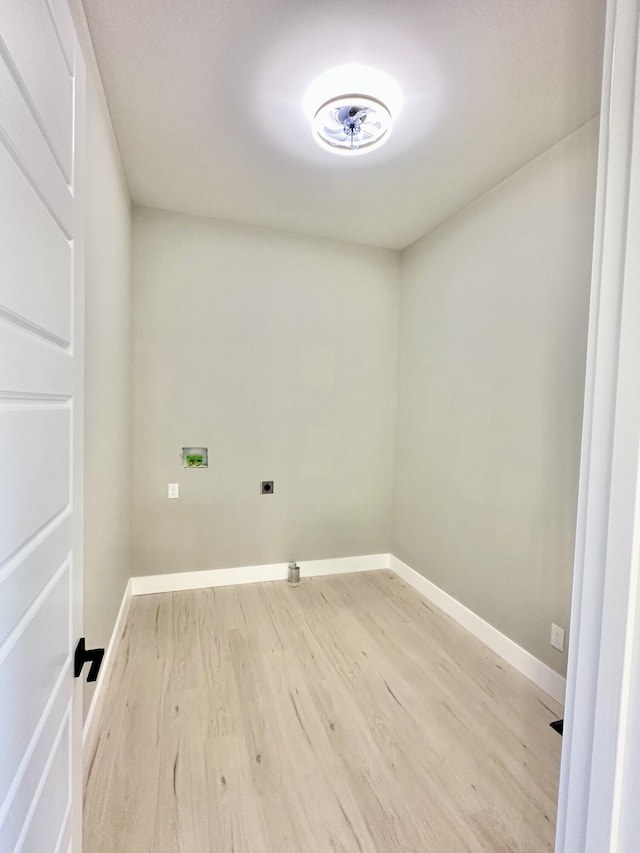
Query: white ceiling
[206, 99]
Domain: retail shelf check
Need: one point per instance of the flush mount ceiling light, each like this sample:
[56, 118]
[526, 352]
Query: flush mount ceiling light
[360, 118]
[352, 124]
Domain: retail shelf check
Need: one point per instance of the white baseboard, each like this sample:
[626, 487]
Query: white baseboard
[103, 678]
[255, 574]
[535, 670]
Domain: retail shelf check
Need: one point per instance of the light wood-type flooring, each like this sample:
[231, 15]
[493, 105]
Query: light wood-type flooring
[346, 714]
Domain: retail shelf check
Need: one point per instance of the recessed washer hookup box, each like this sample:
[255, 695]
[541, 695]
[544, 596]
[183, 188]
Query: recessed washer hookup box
[195, 457]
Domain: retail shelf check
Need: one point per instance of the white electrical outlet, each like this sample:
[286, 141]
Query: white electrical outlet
[173, 491]
[557, 637]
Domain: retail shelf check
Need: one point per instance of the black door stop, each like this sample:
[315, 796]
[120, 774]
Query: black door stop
[84, 655]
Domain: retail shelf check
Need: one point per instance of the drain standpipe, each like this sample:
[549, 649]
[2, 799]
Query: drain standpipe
[294, 574]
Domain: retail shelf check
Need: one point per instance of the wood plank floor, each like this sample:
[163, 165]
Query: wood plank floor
[347, 714]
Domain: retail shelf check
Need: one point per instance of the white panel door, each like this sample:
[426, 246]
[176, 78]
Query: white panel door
[42, 92]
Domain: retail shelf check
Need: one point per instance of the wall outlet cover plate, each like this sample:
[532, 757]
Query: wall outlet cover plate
[557, 637]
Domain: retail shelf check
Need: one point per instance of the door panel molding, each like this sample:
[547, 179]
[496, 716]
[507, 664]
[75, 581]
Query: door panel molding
[42, 130]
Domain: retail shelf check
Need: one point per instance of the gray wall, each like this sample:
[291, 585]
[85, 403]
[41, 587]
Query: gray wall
[493, 323]
[278, 353]
[107, 378]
